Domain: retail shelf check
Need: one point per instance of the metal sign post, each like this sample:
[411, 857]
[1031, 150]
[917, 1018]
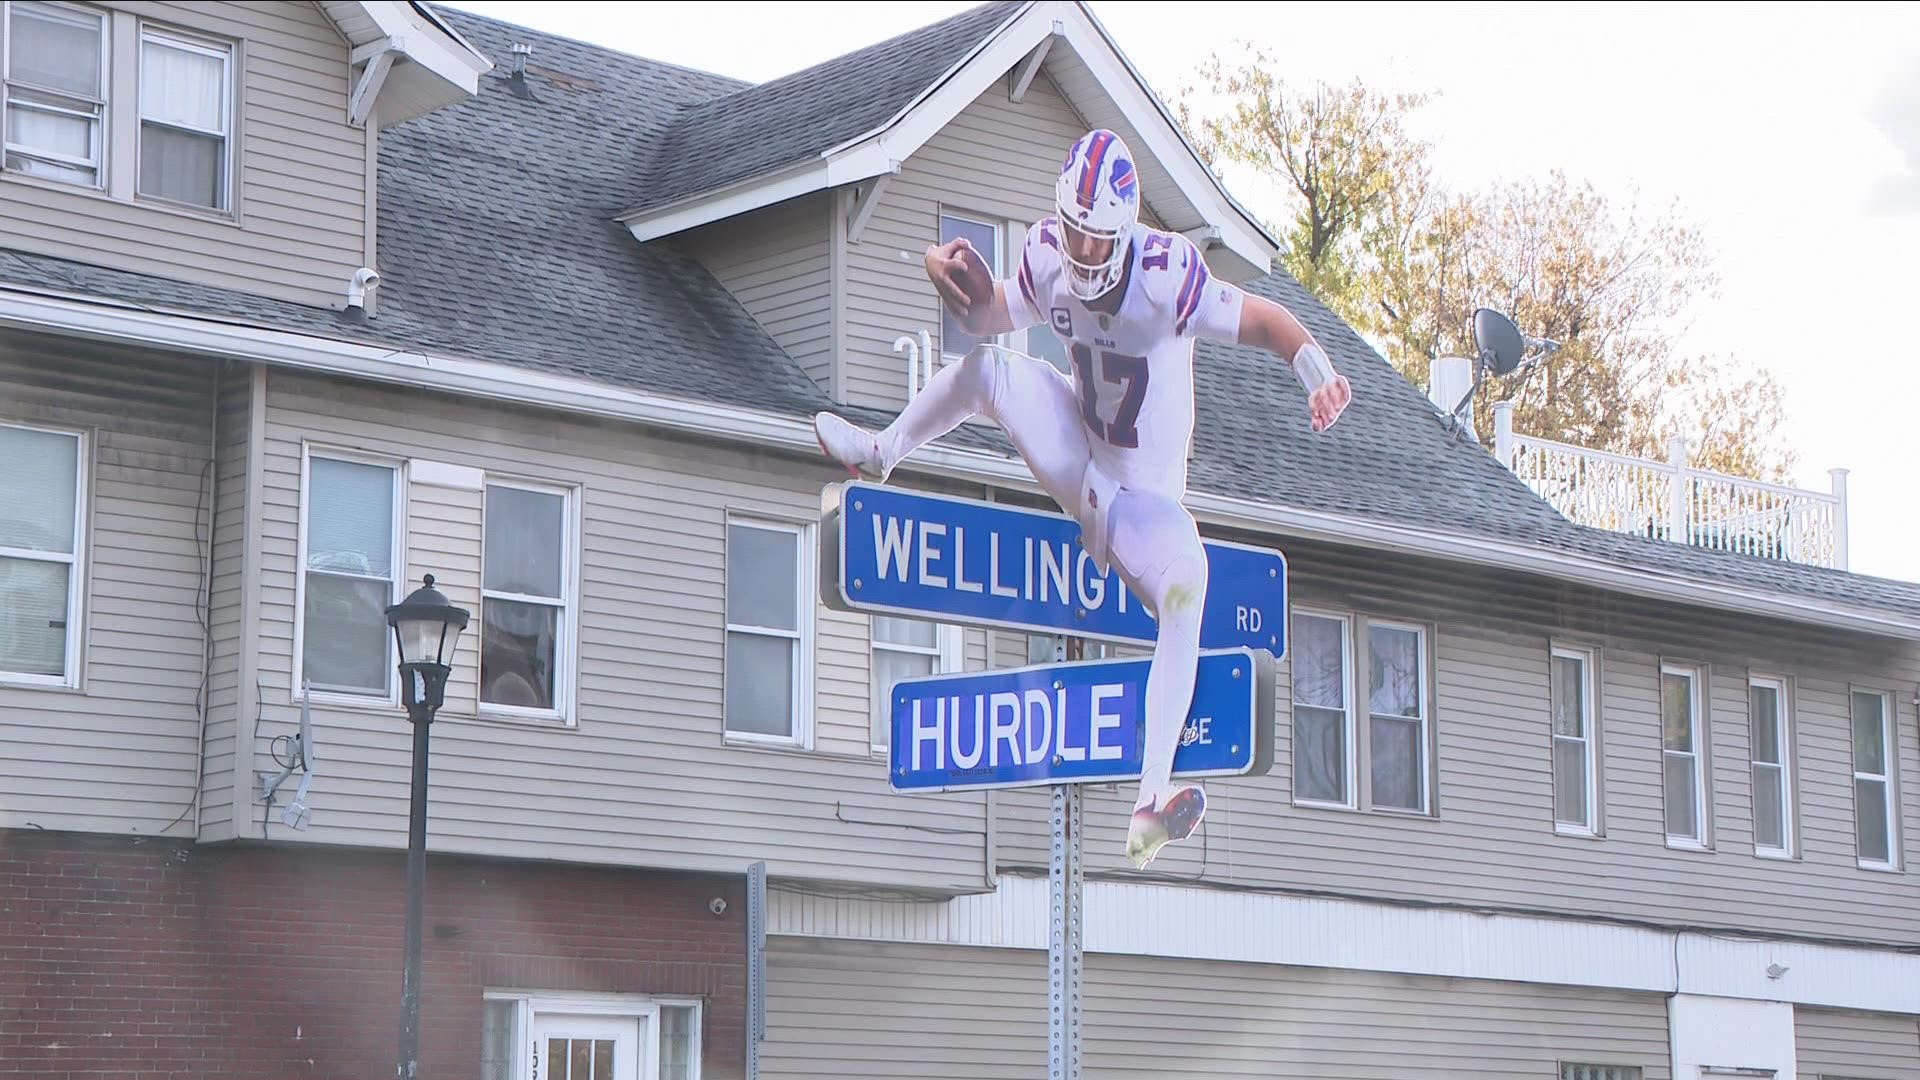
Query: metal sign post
[1065, 879]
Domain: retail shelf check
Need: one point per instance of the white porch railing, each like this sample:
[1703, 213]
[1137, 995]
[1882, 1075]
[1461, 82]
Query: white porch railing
[1671, 501]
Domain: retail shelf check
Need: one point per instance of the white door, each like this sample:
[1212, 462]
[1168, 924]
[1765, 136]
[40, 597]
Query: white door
[577, 1047]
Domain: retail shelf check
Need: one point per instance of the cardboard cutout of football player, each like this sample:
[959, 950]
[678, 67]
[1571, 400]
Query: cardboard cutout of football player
[1110, 444]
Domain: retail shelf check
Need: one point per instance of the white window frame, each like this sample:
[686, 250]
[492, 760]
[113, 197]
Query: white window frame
[1425, 758]
[227, 53]
[101, 136]
[1588, 659]
[1889, 750]
[1696, 678]
[947, 651]
[806, 588]
[76, 564]
[1783, 728]
[996, 260]
[330, 696]
[566, 648]
[1350, 707]
[529, 1004]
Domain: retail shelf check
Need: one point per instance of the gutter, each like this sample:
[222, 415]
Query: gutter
[147, 327]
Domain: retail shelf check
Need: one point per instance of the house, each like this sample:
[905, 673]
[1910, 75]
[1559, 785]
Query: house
[302, 302]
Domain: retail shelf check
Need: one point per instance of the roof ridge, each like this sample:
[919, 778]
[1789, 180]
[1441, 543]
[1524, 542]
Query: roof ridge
[607, 51]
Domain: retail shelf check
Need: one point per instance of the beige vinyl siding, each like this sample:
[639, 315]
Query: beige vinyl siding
[222, 788]
[1492, 841]
[1836, 1045]
[852, 1009]
[302, 193]
[443, 538]
[645, 777]
[776, 262]
[995, 160]
[118, 755]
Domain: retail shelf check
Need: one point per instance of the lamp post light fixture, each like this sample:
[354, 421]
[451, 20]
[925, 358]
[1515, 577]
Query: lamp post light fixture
[425, 626]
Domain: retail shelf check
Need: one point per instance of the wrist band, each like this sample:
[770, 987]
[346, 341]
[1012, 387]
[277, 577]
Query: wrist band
[1312, 367]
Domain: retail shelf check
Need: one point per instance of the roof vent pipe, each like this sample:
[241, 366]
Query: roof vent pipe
[517, 80]
[365, 280]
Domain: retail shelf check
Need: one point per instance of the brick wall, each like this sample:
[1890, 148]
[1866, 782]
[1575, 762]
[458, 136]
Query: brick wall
[153, 959]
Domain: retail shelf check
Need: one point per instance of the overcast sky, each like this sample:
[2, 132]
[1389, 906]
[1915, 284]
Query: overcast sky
[1789, 134]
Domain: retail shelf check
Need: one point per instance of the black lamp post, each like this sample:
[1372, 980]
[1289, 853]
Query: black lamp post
[425, 626]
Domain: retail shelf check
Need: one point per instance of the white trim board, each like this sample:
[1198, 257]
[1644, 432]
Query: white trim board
[879, 151]
[1210, 924]
[110, 321]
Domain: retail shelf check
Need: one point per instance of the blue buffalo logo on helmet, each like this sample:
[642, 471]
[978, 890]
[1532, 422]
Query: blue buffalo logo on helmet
[1097, 198]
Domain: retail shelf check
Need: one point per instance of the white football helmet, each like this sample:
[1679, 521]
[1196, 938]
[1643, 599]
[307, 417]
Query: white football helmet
[1097, 195]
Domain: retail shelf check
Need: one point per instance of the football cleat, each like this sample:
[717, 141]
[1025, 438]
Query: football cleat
[1153, 829]
[852, 446]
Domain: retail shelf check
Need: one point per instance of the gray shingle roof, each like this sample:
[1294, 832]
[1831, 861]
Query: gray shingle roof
[754, 130]
[498, 242]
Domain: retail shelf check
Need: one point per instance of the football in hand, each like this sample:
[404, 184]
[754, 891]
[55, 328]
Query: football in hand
[973, 278]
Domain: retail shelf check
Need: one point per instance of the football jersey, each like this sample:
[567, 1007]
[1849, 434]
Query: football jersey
[1132, 348]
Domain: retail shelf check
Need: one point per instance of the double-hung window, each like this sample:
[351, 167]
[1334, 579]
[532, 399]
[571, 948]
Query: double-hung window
[985, 238]
[56, 80]
[525, 625]
[1397, 716]
[350, 560]
[768, 683]
[1770, 720]
[1576, 769]
[1323, 720]
[186, 119]
[1681, 756]
[1875, 807]
[905, 649]
[42, 481]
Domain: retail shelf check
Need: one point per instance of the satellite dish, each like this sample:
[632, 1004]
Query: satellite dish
[1501, 346]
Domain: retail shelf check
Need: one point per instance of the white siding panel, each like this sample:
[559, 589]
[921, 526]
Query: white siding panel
[301, 190]
[1836, 1045]
[777, 262]
[119, 755]
[227, 603]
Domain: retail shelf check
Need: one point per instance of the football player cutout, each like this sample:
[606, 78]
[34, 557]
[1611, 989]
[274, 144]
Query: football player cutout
[1110, 445]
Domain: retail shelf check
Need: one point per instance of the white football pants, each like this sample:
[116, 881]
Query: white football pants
[1152, 540]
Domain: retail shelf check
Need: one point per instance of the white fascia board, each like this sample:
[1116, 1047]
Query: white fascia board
[425, 44]
[744, 197]
[144, 327]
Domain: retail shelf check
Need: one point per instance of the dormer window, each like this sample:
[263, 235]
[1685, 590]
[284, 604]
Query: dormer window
[186, 107]
[55, 104]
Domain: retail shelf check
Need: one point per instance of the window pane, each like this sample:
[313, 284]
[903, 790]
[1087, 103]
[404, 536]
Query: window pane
[345, 634]
[1045, 344]
[1769, 799]
[182, 87]
[916, 632]
[1570, 781]
[518, 651]
[1043, 648]
[759, 684]
[953, 340]
[1569, 697]
[54, 130]
[37, 489]
[350, 518]
[888, 669]
[1676, 704]
[1870, 807]
[1320, 754]
[1396, 763]
[496, 1041]
[184, 166]
[55, 49]
[525, 534]
[1764, 707]
[1682, 820]
[1869, 743]
[676, 1042]
[761, 582]
[1395, 683]
[1318, 675]
[33, 617]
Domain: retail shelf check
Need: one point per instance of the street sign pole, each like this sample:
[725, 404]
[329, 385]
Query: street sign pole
[1064, 879]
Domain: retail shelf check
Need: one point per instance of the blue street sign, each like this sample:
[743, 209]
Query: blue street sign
[1074, 723]
[892, 551]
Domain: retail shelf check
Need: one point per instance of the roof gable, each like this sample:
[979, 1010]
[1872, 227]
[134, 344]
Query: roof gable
[858, 117]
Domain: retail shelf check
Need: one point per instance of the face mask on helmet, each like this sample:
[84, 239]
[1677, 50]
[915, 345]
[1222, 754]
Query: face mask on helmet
[1097, 201]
